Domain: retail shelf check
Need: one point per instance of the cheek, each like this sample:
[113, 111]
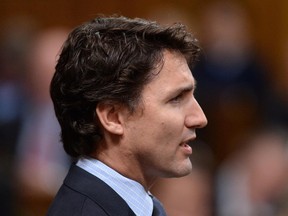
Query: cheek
[167, 133]
[173, 124]
[158, 130]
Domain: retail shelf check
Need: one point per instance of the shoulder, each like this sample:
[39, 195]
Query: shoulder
[72, 203]
[83, 194]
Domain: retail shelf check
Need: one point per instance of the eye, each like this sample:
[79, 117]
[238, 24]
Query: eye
[178, 98]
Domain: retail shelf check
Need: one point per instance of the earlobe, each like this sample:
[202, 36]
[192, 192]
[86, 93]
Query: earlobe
[109, 116]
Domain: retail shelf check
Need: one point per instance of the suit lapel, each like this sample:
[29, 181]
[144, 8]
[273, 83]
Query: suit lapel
[94, 188]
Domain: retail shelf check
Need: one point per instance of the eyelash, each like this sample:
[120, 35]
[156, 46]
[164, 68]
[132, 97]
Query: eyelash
[177, 98]
[181, 96]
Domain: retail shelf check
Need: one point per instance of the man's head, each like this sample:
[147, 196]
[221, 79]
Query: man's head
[109, 60]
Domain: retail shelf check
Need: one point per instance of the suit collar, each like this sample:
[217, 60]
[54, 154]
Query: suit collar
[98, 191]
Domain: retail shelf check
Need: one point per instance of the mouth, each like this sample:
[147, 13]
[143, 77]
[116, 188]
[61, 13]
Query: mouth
[187, 149]
[187, 141]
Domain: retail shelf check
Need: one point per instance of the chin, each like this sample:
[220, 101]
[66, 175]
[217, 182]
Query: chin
[177, 175]
[183, 171]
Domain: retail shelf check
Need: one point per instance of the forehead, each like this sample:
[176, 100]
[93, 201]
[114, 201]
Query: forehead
[174, 73]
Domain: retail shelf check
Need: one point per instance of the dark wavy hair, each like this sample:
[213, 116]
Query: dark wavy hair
[109, 59]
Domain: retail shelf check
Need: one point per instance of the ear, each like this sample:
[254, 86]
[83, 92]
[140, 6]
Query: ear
[110, 117]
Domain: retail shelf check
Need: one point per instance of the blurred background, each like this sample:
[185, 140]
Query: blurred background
[240, 159]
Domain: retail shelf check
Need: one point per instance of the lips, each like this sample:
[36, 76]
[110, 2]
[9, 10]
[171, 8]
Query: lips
[190, 139]
[186, 148]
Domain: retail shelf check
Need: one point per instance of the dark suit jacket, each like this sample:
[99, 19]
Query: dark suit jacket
[83, 194]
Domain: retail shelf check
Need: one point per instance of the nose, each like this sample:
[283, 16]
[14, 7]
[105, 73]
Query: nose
[196, 117]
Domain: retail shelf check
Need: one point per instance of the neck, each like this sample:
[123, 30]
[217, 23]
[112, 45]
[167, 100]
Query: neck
[125, 164]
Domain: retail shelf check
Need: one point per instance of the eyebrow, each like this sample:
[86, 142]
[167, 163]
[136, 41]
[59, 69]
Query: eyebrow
[184, 89]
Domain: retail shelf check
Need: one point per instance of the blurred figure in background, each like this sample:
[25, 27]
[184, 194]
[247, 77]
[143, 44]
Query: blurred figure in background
[251, 181]
[40, 161]
[232, 87]
[279, 116]
[234, 91]
[278, 106]
[14, 41]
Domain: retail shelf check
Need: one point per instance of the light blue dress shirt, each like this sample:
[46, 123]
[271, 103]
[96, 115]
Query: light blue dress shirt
[131, 191]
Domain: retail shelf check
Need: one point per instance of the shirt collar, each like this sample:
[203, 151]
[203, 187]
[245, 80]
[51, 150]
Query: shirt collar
[131, 191]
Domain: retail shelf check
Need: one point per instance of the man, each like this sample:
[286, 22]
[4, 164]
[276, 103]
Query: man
[123, 93]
